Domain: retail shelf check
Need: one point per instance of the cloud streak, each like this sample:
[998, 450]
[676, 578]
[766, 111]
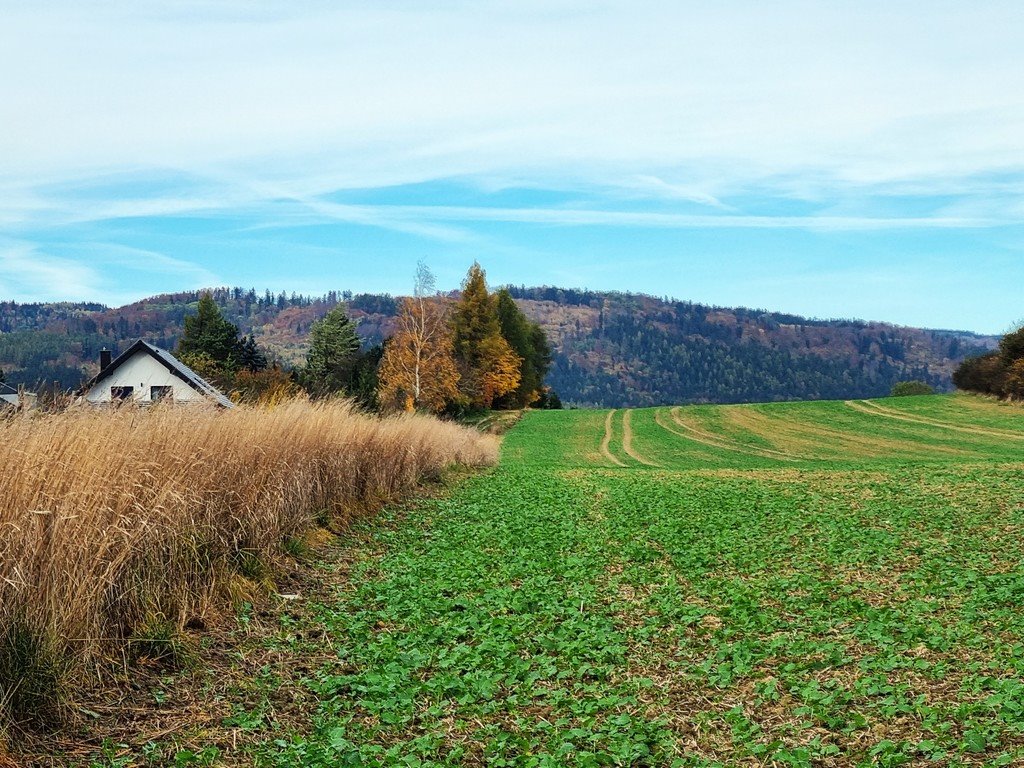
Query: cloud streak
[29, 274]
[872, 92]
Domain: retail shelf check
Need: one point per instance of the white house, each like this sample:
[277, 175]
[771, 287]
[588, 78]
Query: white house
[146, 374]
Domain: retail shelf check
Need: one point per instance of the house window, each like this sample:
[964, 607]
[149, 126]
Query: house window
[121, 393]
[161, 393]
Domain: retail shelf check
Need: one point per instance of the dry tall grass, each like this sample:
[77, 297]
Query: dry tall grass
[113, 522]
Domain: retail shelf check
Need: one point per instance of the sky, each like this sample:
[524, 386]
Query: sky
[831, 159]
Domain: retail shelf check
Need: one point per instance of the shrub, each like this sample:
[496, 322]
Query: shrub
[905, 388]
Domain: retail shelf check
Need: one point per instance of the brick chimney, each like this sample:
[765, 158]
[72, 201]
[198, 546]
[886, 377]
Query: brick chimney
[104, 359]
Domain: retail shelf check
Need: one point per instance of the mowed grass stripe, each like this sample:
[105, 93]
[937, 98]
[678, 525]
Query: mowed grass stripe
[827, 434]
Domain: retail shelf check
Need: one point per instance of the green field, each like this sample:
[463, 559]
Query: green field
[804, 584]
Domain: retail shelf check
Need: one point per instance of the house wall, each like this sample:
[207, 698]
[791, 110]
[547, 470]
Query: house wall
[142, 372]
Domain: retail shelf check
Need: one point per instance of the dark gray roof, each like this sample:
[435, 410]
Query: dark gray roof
[7, 389]
[173, 364]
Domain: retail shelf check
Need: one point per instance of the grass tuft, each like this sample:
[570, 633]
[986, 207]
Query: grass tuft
[31, 676]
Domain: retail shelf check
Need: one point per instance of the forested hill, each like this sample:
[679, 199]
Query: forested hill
[617, 349]
[611, 349]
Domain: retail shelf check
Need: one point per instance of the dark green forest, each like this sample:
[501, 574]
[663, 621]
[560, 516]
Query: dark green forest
[640, 351]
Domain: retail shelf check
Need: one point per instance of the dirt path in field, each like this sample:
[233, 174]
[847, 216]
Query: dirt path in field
[874, 409]
[627, 441]
[605, 450]
[717, 441]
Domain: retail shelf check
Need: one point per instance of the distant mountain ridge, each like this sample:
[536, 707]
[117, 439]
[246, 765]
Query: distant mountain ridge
[611, 349]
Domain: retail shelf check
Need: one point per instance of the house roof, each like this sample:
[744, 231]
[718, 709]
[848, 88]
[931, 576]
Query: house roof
[7, 389]
[169, 361]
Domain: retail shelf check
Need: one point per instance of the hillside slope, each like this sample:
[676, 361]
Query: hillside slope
[611, 349]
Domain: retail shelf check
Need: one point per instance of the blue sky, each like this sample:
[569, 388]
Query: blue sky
[828, 159]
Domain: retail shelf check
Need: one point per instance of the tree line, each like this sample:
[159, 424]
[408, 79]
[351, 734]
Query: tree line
[447, 356]
[999, 373]
[641, 356]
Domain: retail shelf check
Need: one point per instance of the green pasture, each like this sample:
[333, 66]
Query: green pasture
[803, 584]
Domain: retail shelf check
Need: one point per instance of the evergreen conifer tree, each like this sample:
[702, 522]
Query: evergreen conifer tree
[333, 345]
[488, 365]
[208, 333]
[530, 343]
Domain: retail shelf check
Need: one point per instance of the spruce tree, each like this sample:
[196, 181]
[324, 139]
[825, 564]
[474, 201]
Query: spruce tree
[530, 343]
[208, 333]
[333, 345]
[250, 356]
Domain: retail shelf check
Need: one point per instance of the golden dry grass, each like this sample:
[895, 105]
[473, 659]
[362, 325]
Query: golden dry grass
[114, 523]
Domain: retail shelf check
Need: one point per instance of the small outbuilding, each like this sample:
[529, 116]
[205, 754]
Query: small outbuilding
[15, 398]
[144, 374]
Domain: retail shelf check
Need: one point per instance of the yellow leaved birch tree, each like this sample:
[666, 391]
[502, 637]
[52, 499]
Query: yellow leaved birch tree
[418, 370]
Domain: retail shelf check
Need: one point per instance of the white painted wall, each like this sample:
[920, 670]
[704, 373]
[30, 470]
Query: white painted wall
[142, 371]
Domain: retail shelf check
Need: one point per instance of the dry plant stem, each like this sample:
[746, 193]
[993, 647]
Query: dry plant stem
[113, 520]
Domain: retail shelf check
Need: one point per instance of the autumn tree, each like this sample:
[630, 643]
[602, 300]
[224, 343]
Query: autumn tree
[333, 345]
[270, 386]
[1013, 385]
[418, 369]
[500, 370]
[1011, 347]
[999, 372]
[488, 365]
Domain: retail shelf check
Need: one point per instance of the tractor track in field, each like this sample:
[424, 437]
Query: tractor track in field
[606, 442]
[714, 440]
[874, 409]
[717, 441]
[627, 441]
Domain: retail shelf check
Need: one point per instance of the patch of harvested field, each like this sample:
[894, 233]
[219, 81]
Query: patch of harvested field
[693, 430]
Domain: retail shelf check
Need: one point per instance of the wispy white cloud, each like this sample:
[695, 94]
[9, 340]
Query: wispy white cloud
[395, 90]
[225, 120]
[579, 217]
[149, 262]
[91, 271]
[29, 274]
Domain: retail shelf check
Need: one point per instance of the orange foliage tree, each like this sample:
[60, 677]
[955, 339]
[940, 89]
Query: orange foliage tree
[489, 366]
[500, 370]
